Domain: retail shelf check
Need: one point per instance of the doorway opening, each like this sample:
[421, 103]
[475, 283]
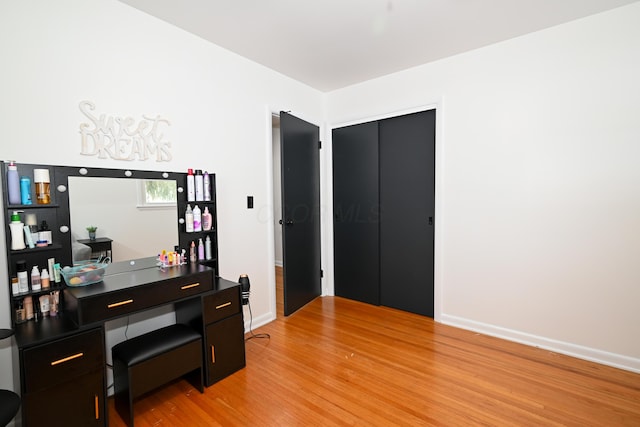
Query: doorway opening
[277, 213]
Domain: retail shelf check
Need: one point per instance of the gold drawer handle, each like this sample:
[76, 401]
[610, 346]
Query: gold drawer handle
[66, 359]
[213, 354]
[226, 304]
[97, 406]
[118, 304]
[190, 286]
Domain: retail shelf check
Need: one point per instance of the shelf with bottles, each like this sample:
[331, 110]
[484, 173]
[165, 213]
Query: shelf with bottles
[28, 186]
[32, 206]
[36, 249]
[33, 307]
[51, 288]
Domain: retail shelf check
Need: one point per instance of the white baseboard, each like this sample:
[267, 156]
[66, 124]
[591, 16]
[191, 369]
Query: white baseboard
[574, 350]
[257, 321]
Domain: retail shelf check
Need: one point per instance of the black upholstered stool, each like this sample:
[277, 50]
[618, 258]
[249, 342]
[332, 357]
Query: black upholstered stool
[9, 401]
[148, 361]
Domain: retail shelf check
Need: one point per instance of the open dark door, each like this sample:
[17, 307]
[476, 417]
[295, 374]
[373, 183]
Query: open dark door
[300, 155]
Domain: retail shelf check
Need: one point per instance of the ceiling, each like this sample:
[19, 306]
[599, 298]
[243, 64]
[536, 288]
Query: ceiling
[330, 44]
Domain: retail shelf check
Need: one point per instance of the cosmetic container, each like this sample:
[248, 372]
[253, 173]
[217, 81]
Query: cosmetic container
[43, 184]
[23, 276]
[207, 187]
[45, 281]
[206, 219]
[25, 190]
[197, 219]
[17, 232]
[199, 181]
[13, 184]
[200, 249]
[188, 220]
[191, 186]
[28, 308]
[35, 279]
[207, 248]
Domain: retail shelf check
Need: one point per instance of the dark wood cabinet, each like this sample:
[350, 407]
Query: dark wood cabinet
[218, 316]
[76, 403]
[65, 376]
[224, 351]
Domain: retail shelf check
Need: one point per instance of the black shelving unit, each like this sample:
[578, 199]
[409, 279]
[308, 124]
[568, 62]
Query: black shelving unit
[186, 238]
[54, 214]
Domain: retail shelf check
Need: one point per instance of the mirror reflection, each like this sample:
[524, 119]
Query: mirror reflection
[115, 206]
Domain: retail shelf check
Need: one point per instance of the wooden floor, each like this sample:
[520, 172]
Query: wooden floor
[340, 362]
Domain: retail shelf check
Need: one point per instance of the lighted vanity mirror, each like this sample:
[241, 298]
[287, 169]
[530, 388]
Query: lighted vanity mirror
[115, 206]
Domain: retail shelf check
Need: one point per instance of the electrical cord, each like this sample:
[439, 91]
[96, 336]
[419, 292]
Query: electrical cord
[251, 327]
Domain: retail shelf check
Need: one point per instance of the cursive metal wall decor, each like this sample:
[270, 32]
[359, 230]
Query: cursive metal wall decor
[120, 138]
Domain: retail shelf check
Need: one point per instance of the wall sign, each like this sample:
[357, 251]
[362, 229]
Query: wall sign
[121, 138]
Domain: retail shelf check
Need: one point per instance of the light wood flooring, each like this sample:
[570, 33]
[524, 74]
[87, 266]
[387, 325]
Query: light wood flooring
[338, 362]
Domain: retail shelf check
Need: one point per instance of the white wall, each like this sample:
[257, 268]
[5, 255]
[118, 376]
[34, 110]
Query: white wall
[56, 54]
[537, 201]
[538, 197]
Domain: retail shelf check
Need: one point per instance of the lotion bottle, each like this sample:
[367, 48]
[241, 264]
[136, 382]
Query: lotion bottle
[192, 252]
[28, 307]
[200, 250]
[45, 281]
[207, 248]
[13, 183]
[17, 232]
[188, 220]
[206, 219]
[23, 277]
[35, 279]
[197, 219]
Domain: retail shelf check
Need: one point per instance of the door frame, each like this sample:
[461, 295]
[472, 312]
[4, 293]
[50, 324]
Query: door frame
[271, 110]
[438, 244]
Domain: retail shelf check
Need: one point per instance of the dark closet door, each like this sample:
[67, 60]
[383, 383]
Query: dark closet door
[300, 156]
[407, 189]
[356, 212]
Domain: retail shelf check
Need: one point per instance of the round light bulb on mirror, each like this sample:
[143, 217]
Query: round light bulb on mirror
[181, 221]
[165, 175]
[128, 173]
[83, 171]
[64, 229]
[61, 188]
[180, 189]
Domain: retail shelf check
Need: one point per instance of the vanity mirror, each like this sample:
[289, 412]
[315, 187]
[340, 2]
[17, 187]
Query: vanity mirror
[106, 198]
[135, 228]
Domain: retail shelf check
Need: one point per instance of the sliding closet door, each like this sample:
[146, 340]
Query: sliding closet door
[407, 189]
[356, 212]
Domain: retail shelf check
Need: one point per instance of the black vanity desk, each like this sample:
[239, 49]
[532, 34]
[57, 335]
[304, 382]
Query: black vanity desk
[61, 361]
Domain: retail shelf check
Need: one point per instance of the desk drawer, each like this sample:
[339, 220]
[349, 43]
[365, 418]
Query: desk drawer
[131, 300]
[62, 360]
[221, 305]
